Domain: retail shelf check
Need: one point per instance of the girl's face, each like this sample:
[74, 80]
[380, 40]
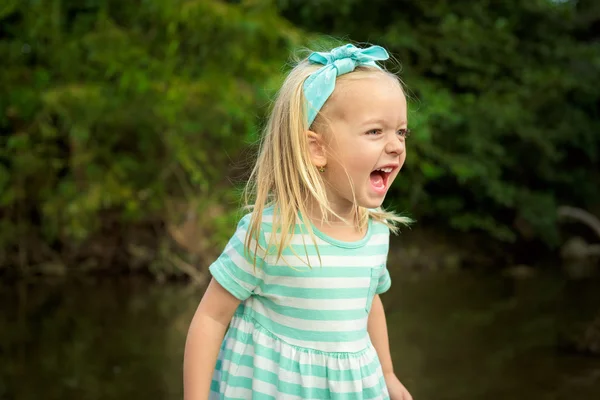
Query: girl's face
[364, 143]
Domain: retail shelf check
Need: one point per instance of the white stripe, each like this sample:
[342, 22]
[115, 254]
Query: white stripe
[237, 393]
[267, 218]
[240, 234]
[329, 261]
[328, 347]
[239, 260]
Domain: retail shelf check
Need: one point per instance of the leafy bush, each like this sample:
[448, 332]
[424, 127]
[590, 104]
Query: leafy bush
[113, 110]
[505, 100]
[120, 121]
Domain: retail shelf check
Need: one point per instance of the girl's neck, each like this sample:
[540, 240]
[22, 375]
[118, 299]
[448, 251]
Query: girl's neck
[344, 216]
[342, 226]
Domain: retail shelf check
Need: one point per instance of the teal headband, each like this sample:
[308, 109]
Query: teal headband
[341, 60]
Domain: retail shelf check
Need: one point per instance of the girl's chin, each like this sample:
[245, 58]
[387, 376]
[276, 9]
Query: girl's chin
[371, 201]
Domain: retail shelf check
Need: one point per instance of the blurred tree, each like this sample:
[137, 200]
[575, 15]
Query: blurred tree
[505, 100]
[114, 113]
[119, 119]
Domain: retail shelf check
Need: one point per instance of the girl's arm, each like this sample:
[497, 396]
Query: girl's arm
[204, 340]
[377, 327]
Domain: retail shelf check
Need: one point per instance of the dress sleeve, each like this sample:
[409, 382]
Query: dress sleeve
[384, 281]
[235, 269]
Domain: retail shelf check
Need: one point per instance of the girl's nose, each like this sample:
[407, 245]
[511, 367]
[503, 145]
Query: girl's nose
[395, 145]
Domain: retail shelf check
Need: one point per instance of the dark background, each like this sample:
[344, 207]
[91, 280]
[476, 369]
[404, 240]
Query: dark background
[128, 127]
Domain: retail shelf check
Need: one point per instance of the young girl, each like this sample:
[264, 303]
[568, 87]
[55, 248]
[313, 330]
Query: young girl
[297, 287]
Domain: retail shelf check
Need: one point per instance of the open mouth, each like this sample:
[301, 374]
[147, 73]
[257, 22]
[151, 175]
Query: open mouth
[379, 178]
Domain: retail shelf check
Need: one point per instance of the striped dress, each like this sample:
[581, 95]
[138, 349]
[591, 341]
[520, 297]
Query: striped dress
[301, 332]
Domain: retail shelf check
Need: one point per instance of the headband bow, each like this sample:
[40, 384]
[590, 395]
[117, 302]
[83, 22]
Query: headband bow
[341, 60]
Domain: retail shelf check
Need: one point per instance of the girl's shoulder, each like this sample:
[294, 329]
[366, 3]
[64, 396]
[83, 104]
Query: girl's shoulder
[247, 222]
[265, 219]
[379, 227]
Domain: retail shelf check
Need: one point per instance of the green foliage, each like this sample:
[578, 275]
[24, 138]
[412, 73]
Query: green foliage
[117, 115]
[111, 108]
[504, 105]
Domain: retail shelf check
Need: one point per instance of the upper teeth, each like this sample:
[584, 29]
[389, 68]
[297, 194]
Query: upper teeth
[386, 170]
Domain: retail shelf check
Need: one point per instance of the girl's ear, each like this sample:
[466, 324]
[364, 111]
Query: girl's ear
[316, 148]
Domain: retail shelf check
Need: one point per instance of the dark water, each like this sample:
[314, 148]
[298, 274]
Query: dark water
[453, 336]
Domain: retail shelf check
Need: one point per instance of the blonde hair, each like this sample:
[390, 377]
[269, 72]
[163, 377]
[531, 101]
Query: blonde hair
[284, 176]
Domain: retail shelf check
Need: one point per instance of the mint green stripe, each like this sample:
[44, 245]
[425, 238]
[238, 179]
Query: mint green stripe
[260, 396]
[313, 293]
[377, 391]
[239, 359]
[236, 381]
[228, 282]
[318, 272]
[379, 228]
[235, 270]
[255, 396]
[314, 315]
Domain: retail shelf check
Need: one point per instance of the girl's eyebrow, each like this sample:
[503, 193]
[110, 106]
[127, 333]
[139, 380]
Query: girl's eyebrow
[380, 121]
[373, 121]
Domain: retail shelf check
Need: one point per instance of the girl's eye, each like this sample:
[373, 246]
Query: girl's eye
[374, 132]
[404, 133]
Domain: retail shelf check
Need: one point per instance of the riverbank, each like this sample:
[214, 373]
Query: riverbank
[466, 334]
